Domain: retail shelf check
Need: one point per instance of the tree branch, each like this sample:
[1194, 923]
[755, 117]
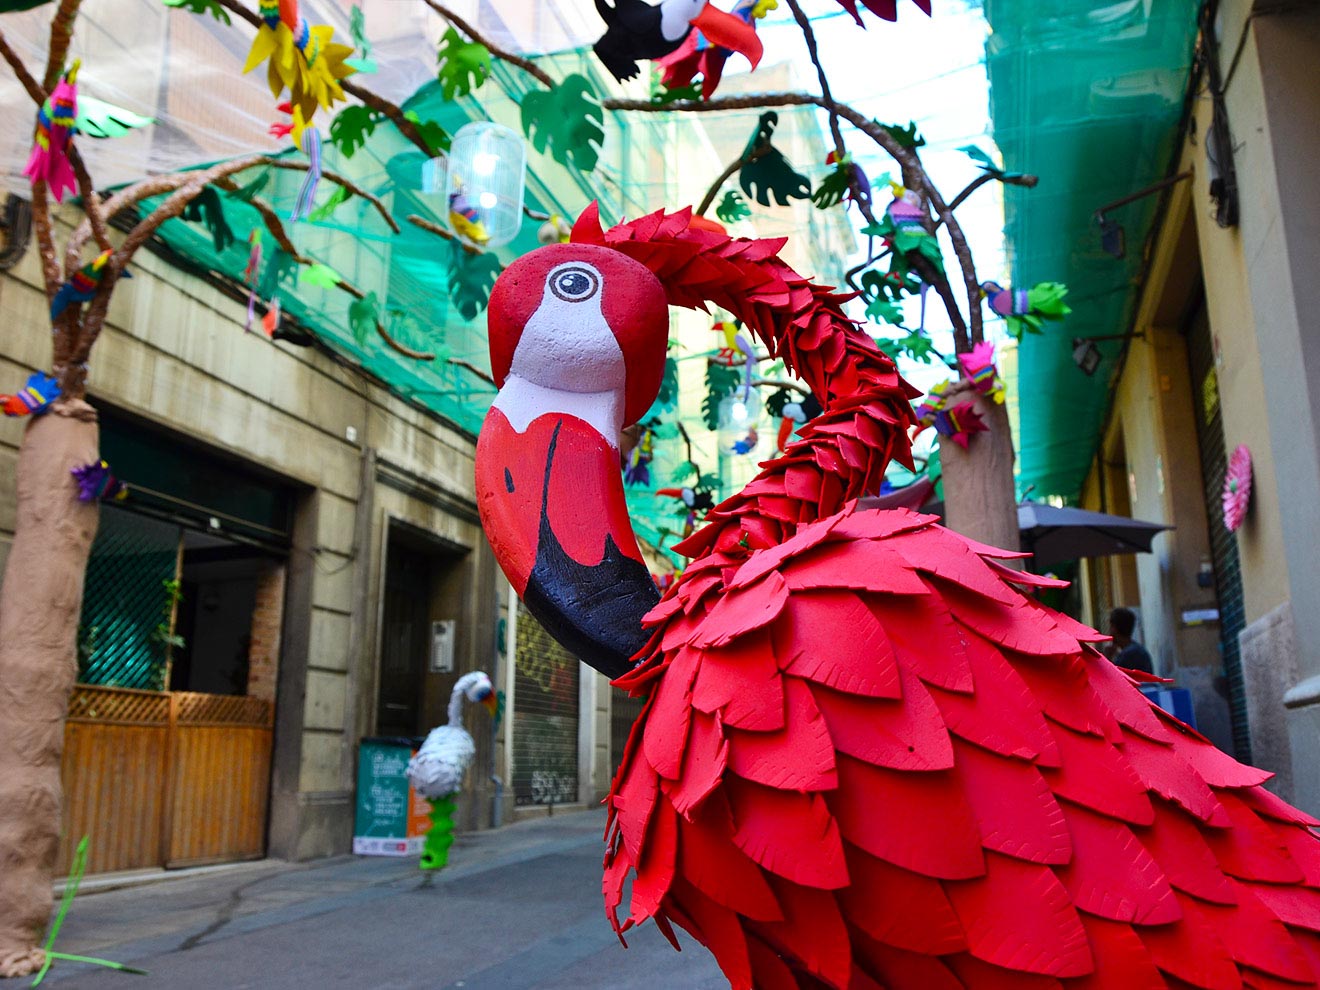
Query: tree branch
[528, 66]
[61, 33]
[484, 376]
[21, 72]
[91, 202]
[338, 180]
[963, 252]
[50, 266]
[747, 157]
[396, 116]
[439, 231]
[1029, 181]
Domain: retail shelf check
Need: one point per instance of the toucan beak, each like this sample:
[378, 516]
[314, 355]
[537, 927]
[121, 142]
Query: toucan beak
[730, 32]
[492, 702]
[671, 492]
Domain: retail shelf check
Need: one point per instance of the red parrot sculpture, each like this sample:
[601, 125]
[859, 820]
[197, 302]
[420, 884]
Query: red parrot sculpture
[868, 757]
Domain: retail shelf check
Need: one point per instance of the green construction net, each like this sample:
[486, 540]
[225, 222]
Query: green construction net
[1086, 94]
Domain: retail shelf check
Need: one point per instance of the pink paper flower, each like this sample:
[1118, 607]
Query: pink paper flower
[1237, 488]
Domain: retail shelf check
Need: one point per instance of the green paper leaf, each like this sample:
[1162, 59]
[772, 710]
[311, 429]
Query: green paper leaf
[668, 395]
[662, 95]
[98, 119]
[338, 198]
[471, 277]
[684, 471]
[733, 208]
[12, 6]
[770, 173]
[905, 136]
[207, 209]
[919, 346]
[280, 267]
[362, 317]
[464, 65]
[352, 126]
[435, 136]
[357, 29]
[720, 381]
[567, 120]
[252, 187]
[197, 7]
[319, 274]
[834, 186]
[980, 157]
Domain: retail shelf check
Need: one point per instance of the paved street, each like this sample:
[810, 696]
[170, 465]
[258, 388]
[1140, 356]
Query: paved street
[519, 907]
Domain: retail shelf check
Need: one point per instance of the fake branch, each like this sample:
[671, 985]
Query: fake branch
[528, 66]
[339, 180]
[21, 72]
[726, 175]
[439, 231]
[61, 34]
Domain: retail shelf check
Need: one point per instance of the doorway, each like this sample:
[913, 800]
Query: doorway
[405, 636]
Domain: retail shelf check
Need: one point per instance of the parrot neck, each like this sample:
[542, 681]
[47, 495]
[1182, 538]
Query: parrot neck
[522, 401]
[456, 706]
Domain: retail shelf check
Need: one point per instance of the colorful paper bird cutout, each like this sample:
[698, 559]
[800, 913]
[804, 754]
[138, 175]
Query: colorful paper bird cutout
[465, 218]
[958, 423]
[697, 56]
[101, 120]
[794, 415]
[556, 230]
[978, 367]
[638, 471]
[97, 482]
[1026, 310]
[82, 286]
[932, 404]
[300, 57]
[56, 120]
[33, 398]
[252, 274]
[635, 31]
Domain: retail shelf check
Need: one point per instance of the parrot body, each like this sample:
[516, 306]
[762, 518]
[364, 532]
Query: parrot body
[978, 367]
[868, 757]
[82, 286]
[465, 218]
[33, 398]
[697, 56]
[56, 122]
[636, 31]
[1025, 310]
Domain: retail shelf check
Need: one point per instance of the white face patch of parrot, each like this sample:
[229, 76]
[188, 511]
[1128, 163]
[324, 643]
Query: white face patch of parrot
[676, 17]
[567, 359]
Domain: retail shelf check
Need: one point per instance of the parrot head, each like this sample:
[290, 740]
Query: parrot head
[477, 687]
[990, 288]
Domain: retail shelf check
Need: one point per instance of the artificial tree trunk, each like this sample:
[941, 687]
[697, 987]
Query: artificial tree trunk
[979, 494]
[40, 604]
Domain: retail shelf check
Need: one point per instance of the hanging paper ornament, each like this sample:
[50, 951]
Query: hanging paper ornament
[95, 481]
[635, 31]
[311, 145]
[794, 415]
[959, 423]
[33, 398]
[739, 413]
[978, 366]
[271, 321]
[56, 119]
[730, 354]
[767, 172]
[302, 58]
[693, 501]
[485, 178]
[1237, 488]
[252, 273]
[1025, 310]
[82, 286]
[556, 230]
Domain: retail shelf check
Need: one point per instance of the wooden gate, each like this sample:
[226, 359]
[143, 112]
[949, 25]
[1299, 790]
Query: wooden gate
[164, 778]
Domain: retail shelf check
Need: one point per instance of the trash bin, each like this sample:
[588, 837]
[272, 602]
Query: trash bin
[391, 818]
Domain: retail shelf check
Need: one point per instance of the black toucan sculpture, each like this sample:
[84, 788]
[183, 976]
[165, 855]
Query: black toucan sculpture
[636, 30]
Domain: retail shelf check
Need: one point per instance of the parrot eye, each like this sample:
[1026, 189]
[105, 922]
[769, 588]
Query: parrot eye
[574, 284]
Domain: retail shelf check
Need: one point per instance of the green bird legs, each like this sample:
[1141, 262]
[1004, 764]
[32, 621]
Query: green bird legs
[440, 836]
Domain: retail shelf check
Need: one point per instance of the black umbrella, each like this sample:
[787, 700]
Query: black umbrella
[1053, 533]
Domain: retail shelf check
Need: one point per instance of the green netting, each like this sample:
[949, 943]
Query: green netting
[126, 602]
[1086, 94]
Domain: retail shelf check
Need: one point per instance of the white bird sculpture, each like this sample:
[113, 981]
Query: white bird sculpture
[436, 771]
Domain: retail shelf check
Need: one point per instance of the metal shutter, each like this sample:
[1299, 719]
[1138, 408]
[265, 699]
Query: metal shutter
[545, 717]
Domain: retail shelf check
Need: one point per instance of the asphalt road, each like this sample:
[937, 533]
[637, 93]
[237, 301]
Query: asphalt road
[518, 907]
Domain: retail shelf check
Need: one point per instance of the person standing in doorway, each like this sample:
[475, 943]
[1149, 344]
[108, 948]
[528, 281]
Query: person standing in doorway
[1127, 651]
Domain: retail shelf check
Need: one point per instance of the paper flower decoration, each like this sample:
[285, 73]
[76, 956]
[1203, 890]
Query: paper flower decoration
[95, 481]
[978, 366]
[1237, 488]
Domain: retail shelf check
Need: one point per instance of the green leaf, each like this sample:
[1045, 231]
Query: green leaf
[834, 186]
[662, 95]
[319, 274]
[338, 198]
[733, 208]
[567, 120]
[668, 395]
[194, 6]
[720, 381]
[921, 347]
[685, 471]
[207, 209]
[352, 126]
[471, 277]
[905, 136]
[357, 29]
[464, 65]
[362, 317]
[98, 119]
[280, 267]
[253, 187]
[435, 136]
[770, 172]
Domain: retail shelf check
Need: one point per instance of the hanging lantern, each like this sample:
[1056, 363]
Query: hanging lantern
[482, 181]
[739, 423]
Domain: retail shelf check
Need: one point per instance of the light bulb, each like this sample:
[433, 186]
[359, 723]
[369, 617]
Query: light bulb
[739, 412]
[483, 163]
[488, 200]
